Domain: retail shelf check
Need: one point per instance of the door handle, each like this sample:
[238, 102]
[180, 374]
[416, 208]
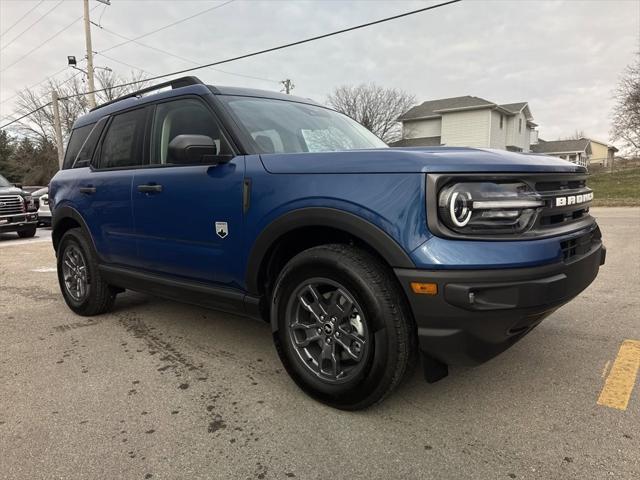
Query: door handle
[149, 188]
[88, 190]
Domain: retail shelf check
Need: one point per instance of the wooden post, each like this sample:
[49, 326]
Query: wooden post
[57, 127]
[87, 38]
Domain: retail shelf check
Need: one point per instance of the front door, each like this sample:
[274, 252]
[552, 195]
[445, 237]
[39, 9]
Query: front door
[188, 218]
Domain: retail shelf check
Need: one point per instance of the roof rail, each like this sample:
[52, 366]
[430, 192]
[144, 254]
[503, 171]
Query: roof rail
[175, 83]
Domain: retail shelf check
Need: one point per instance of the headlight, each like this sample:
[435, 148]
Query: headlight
[488, 207]
[29, 204]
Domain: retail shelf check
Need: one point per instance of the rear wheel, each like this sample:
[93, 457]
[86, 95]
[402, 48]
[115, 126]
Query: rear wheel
[27, 232]
[82, 286]
[343, 334]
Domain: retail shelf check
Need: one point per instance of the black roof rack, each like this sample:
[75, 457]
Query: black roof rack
[176, 83]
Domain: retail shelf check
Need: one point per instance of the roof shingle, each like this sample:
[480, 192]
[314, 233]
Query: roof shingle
[430, 108]
[557, 146]
[417, 142]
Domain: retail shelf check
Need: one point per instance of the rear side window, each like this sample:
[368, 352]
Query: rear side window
[122, 144]
[78, 136]
[86, 152]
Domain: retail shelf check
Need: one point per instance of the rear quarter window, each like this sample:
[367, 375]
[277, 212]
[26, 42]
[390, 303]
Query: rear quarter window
[76, 140]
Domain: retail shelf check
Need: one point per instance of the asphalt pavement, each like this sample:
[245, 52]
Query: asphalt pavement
[161, 390]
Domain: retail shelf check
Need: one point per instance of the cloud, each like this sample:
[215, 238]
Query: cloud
[564, 58]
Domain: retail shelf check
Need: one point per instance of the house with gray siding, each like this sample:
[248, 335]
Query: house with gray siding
[469, 122]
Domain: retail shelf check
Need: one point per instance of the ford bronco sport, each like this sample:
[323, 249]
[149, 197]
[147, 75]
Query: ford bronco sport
[361, 257]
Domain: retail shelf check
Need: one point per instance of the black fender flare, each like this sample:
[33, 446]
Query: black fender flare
[348, 222]
[62, 213]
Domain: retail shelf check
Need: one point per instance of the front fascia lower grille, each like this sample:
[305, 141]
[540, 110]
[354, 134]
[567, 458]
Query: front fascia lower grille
[565, 209]
[11, 205]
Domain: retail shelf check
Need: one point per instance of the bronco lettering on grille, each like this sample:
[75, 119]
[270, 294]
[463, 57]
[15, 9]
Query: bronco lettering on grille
[573, 199]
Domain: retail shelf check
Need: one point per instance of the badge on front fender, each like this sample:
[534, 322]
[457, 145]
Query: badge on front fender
[222, 229]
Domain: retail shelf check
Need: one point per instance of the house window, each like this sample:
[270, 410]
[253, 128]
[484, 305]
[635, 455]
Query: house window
[519, 125]
[501, 121]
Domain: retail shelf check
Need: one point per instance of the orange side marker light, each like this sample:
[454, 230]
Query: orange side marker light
[424, 288]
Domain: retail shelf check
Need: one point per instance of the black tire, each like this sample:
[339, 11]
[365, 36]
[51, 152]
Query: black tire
[27, 232]
[388, 336]
[99, 296]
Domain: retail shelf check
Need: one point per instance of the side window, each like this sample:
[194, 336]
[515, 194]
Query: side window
[86, 152]
[183, 117]
[78, 136]
[122, 144]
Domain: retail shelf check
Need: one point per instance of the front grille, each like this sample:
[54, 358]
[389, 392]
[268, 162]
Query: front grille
[568, 190]
[580, 245]
[560, 185]
[11, 205]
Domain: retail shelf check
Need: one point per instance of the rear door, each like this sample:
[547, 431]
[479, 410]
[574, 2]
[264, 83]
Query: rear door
[105, 188]
[188, 218]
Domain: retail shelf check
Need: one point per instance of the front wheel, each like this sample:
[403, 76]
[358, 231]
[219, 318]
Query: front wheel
[344, 333]
[27, 232]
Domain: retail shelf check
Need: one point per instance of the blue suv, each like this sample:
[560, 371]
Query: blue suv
[363, 258]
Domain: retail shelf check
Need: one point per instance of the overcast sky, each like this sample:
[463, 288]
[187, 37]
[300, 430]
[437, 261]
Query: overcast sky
[563, 57]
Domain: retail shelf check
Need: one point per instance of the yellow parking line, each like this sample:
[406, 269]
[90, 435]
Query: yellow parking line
[622, 377]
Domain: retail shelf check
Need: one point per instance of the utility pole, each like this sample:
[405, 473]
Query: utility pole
[87, 36]
[287, 85]
[57, 128]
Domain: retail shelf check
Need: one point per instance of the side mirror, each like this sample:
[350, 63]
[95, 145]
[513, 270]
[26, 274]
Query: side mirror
[195, 149]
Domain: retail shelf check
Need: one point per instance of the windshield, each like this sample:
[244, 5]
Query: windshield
[4, 182]
[279, 126]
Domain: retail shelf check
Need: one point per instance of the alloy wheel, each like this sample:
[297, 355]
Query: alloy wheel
[75, 273]
[327, 330]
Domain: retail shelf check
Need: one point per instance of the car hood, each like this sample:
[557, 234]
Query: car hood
[416, 160]
[11, 191]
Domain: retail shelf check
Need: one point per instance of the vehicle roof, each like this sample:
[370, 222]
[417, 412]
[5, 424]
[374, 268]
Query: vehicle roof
[197, 89]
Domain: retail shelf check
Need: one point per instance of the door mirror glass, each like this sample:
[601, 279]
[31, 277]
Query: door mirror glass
[193, 149]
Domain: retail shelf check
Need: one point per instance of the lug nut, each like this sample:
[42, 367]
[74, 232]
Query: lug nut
[319, 330]
[337, 334]
[334, 319]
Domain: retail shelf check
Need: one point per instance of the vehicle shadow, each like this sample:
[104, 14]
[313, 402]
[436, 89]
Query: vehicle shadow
[484, 389]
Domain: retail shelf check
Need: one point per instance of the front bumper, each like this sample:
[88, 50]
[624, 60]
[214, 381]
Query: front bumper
[478, 314]
[13, 223]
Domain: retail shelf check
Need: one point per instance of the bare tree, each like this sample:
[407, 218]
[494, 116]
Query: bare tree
[577, 135]
[109, 81]
[373, 106]
[626, 112]
[73, 103]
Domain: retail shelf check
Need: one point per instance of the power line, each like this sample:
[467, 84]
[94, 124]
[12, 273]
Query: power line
[125, 64]
[35, 84]
[288, 45]
[21, 18]
[34, 23]
[27, 114]
[43, 43]
[260, 52]
[184, 59]
[50, 77]
[169, 25]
